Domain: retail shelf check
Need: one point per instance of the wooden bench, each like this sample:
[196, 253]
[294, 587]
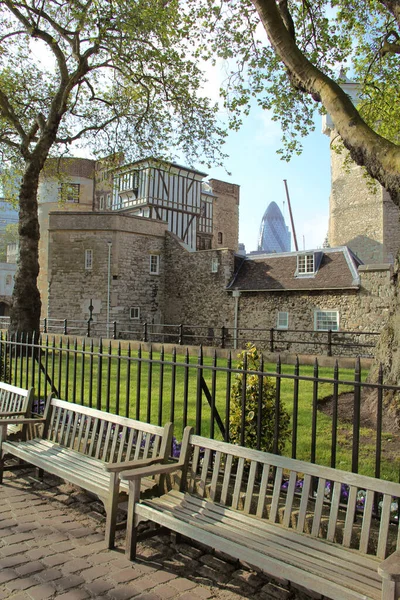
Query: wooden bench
[88, 448]
[14, 402]
[291, 519]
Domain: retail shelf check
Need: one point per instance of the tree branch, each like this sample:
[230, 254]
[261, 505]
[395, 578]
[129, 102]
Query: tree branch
[367, 148]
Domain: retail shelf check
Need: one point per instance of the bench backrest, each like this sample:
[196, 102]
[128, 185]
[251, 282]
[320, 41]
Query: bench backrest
[15, 399]
[322, 502]
[102, 435]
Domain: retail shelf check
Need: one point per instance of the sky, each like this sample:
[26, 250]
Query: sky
[258, 170]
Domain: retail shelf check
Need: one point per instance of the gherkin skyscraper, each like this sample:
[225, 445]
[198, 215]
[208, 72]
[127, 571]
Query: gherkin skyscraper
[274, 235]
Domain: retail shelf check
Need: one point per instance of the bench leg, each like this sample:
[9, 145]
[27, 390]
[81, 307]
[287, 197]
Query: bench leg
[131, 526]
[111, 510]
[389, 589]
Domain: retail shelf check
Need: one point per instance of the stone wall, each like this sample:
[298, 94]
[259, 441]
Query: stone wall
[72, 287]
[363, 310]
[225, 214]
[361, 213]
[193, 294]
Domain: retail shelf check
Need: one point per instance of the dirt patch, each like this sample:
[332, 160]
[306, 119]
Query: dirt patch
[390, 426]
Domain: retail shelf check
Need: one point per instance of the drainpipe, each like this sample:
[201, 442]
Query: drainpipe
[236, 295]
[108, 288]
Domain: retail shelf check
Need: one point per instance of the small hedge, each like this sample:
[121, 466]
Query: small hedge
[252, 404]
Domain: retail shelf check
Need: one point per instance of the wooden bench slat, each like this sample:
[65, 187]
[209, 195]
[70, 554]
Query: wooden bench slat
[333, 513]
[249, 534]
[226, 478]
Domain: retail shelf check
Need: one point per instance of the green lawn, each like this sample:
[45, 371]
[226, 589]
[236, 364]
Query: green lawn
[146, 391]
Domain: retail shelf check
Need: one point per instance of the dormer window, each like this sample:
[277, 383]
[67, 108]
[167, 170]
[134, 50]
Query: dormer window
[305, 264]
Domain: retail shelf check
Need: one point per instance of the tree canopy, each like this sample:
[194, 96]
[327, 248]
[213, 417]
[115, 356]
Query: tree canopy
[297, 69]
[110, 73]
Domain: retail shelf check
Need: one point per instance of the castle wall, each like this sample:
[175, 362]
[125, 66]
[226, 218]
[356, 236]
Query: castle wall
[225, 214]
[195, 295]
[366, 309]
[77, 171]
[362, 215]
[72, 286]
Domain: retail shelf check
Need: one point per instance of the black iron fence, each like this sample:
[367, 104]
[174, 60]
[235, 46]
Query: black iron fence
[331, 343]
[196, 390]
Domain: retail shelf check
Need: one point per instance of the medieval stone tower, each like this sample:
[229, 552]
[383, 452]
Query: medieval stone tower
[361, 213]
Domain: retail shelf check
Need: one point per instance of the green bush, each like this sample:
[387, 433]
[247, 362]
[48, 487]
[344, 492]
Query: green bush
[252, 402]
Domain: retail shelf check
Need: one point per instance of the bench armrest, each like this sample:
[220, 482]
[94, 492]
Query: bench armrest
[19, 421]
[151, 470]
[132, 464]
[390, 567]
[12, 414]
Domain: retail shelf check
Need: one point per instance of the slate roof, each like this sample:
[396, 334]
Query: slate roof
[277, 272]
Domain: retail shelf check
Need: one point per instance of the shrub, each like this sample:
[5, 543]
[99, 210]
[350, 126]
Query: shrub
[268, 393]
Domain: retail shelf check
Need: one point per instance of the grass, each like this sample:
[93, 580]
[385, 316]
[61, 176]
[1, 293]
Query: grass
[146, 391]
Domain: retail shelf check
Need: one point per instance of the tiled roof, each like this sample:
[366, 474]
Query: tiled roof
[337, 270]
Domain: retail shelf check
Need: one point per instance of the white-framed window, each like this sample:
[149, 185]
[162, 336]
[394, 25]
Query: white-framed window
[283, 320]
[88, 260]
[214, 265]
[305, 264]
[154, 264]
[134, 313]
[101, 203]
[326, 319]
[69, 192]
[108, 200]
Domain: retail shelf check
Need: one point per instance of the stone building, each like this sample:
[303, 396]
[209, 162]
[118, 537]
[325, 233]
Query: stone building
[154, 242]
[362, 215]
[104, 239]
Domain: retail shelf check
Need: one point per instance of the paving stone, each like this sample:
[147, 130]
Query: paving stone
[123, 592]
[76, 564]
[165, 591]
[66, 583]
[30, 567]
[14, 549]
[78, 594]
[8, 575]
[99, 586]
[124, 575]
[216, 563]
[22, 583]
[42, 591]
[276, 592]
[182, 585]
[209, 573]
[50, 575]
[13, 561]
[56, 559]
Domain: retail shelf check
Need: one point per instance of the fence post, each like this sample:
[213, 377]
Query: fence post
[88, 328]
[180, 338]
[275, 446]
[114, 330]
[199, 392]
[45, 325]
[65, 327]
[271, 339]
[329, 352]
[223, 336]
[145, 332]
[356, 417]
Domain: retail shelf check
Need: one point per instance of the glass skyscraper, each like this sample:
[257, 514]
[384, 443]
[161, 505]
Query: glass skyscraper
[274, 235]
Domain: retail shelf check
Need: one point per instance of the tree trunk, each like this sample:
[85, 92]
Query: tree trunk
[26, 305]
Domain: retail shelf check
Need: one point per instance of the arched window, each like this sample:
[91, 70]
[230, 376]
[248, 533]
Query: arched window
[220, 237]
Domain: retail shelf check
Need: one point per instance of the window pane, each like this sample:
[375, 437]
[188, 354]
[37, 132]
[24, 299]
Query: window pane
[326, 319]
